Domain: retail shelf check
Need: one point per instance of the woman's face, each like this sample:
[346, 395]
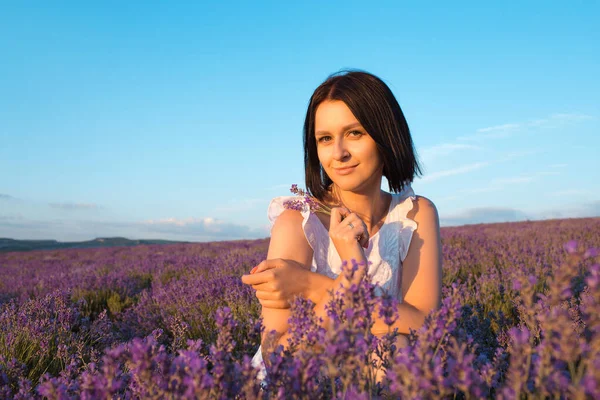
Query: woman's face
[346, 151]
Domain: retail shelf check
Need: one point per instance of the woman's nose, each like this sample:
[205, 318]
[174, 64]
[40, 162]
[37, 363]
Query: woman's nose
[340, 152]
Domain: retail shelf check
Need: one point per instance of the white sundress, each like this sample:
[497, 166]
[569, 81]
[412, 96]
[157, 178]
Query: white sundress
[386, 251]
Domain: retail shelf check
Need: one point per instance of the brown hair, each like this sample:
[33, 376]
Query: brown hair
[374, 105]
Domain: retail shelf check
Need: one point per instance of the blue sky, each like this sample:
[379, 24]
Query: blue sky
[178, 121]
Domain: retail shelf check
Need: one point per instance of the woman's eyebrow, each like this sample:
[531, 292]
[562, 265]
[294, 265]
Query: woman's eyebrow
[345, 128]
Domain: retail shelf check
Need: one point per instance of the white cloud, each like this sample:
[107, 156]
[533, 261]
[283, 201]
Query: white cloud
[445, 149]
[571, 117]
[177, 222]
[454, 171]
[186, 229]
[481, 137]
[447, 198]
[521, 153]
[549, 173]
[506, 130]
[496, 128]
[207, 222]
[499, 184]
[513, 180]
[74, 206]
[202, 227]
[211, 229]
[482, 215]
[555, 120]
[582, 210]
[11, 217]
[570, 192]
[237, 205]
[496, 184]
[485, 189]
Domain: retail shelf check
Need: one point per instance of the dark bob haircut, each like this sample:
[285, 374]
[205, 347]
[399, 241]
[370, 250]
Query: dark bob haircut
[374, 105]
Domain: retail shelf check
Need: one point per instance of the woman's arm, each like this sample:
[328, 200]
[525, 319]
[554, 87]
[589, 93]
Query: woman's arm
[287, 242]
[421, 275]
[349, 235]
[421, 271]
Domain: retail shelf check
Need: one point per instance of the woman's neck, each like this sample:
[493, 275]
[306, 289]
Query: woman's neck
[371, 206]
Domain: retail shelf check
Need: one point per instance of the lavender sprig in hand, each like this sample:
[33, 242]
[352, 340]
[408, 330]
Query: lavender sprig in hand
[313, 204]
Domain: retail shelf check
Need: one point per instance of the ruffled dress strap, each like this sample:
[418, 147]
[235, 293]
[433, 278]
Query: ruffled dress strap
[406, 227]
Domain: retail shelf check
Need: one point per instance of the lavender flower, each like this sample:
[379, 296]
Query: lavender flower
[297, 205]
[82, 323]
[313, 204]
[297, 191]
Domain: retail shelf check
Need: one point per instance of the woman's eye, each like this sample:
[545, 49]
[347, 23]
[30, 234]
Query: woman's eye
[355, 133]
[323, 139]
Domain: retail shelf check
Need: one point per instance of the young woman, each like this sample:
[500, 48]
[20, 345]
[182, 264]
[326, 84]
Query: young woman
[354, 134]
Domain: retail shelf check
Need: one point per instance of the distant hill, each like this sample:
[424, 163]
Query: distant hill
[7, 245]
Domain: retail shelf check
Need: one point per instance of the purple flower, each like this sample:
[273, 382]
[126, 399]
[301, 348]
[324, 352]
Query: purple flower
[593, 279]
[297, 191]
[92, 338]
[571, 246]
[516, 284]
[388, 309]
[313, 204]
[294, 204]
[591, 253]
[519, 336]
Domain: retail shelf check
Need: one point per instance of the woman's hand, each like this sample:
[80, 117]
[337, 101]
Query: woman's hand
[347, 230]
[277, 281]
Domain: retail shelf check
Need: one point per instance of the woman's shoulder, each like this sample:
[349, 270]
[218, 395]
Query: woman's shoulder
[291, 216]
[412, 206]
[423, 203]
[417, 215]
[286, 207]
[424, 211]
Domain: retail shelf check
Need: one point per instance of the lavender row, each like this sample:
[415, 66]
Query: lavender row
[175, 321]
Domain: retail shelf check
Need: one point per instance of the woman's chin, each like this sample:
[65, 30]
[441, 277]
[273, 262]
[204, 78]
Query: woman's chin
[353, 185]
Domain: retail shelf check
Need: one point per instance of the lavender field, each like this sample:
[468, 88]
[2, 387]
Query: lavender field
[520, 319]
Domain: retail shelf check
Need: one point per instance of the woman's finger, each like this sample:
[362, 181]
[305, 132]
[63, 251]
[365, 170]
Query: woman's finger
[255, 268]
[264, 295]
[363, 239]
[279, 304]
[356, 229]
[360, 234]
[259, 266]
[338, 214]
[265, 287]
[257, 278]
[335, 217]
[264, 265]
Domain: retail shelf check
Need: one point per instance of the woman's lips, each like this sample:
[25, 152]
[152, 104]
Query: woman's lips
[345, 170]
